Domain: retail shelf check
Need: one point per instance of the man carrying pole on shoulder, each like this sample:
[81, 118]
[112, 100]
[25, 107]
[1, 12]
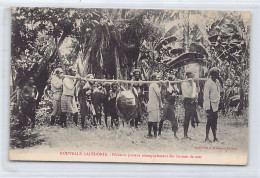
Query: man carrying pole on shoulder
[154, 105]
[56, 87]
[68, 102]
[189, 92]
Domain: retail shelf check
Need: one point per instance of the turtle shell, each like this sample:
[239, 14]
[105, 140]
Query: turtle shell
[126, 105]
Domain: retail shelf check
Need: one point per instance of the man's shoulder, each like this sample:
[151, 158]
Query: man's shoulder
[184, 84]
[67, 79]
[153, 84]
[208, 82]
[54, 78]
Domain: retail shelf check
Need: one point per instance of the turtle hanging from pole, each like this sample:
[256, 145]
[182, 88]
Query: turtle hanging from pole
[126, 105]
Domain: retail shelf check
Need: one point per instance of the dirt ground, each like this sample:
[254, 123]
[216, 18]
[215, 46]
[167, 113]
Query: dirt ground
[232, 133]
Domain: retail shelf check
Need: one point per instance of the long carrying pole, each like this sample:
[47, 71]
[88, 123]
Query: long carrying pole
[130, 81]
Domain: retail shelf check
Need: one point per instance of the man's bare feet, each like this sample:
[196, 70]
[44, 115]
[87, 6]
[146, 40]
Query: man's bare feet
[215, 140]
[186, 138]
[207, 140]
[148, 136]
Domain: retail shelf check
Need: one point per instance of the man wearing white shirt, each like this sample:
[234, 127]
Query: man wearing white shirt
[56, 87]
[211, 102]
[68, 103]
[189, 92]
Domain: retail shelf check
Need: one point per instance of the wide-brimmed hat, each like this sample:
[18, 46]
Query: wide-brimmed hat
[171, 77]
[58, 70]
[154, 74]
[188, 73]
[214, 70]
[72, 68]
[136, 71]
[89, 76]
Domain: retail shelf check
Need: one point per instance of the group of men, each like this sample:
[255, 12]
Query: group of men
[95, 98]
[159, 112]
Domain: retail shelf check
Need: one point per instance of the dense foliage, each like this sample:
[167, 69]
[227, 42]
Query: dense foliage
[111, 42]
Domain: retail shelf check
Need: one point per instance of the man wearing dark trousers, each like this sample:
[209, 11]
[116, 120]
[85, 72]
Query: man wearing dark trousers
[211, 102]
[189, 92]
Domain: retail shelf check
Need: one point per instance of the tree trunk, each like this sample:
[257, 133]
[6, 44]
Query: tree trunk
[42, 75]
[118, 71]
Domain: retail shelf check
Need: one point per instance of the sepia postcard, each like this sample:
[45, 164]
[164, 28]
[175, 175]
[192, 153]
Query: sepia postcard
[129, 85]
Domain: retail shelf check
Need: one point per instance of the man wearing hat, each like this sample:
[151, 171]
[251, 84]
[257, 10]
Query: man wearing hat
[138, 92]
[68, 102]
[189, 92]
[211, 99]
[154, 105]
[56, 87]
[89, 83]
